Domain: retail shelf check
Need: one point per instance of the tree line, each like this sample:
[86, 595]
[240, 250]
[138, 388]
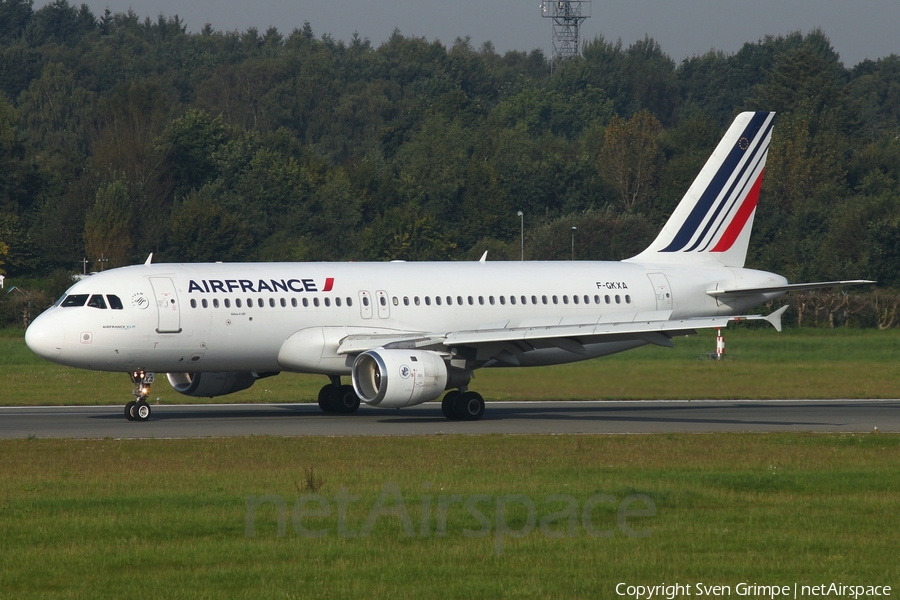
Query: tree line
[121, 136]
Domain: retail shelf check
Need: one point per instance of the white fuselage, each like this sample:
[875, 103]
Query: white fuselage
[237, 316]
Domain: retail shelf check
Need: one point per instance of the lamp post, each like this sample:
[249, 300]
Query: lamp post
[574, 229]
[522, 221]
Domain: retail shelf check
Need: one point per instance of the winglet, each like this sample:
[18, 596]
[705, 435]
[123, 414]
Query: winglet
[149, 260]
[775, 318]
[483, 258]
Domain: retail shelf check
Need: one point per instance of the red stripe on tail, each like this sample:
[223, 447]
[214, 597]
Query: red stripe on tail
[740, 219]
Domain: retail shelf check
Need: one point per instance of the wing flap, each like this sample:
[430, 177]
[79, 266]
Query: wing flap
[569, 337]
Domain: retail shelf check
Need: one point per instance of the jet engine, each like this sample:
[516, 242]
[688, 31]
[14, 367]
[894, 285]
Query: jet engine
[209, 385]
[399, 378]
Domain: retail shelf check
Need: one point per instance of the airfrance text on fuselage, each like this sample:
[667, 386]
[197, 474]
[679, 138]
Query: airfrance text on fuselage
[226, 286]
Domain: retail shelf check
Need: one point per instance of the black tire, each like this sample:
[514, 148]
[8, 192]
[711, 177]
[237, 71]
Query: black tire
[447, 404]
[129, 411]
[469, 406]
[142, 410]
[347, 400]
[325, 399]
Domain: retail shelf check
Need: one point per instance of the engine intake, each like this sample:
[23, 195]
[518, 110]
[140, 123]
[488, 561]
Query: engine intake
[399, 378]
[210, 385]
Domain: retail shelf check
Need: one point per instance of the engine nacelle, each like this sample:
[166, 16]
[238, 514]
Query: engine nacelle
[209, 385]
[398, 378]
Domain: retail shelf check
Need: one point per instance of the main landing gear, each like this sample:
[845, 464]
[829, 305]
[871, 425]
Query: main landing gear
[462, 405]
[138, 409]
[337, 398]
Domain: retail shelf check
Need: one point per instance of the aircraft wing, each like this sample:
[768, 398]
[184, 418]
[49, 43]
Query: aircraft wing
[571, 337]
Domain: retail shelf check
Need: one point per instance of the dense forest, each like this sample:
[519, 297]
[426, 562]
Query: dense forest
[120, 137]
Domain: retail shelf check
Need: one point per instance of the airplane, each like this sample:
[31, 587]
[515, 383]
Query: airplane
[407, 332]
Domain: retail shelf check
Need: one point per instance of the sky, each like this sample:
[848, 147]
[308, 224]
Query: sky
[858, 29]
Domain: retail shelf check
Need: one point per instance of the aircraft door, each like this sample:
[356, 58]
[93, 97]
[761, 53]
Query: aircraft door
[365, 304]
[384, 307]
[662, 290]
[166, 305]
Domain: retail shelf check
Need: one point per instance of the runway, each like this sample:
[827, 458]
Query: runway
[602, 417]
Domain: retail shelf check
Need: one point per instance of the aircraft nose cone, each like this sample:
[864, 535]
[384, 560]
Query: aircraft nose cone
[45, 338]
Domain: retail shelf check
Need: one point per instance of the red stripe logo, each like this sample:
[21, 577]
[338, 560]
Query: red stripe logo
[329, 283]
[740, 219]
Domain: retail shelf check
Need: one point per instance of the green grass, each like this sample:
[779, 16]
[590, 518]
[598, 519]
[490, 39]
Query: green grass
[166, 518]
[799, 363]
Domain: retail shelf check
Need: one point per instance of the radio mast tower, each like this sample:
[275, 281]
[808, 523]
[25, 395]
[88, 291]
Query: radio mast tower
[566, 16]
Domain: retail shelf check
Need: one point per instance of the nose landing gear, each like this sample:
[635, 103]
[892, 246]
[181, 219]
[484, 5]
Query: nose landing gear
[138, 409]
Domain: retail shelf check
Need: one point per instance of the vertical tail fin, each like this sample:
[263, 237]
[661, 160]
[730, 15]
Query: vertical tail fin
[712, 222]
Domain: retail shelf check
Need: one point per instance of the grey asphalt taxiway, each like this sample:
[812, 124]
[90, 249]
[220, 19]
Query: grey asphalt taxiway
[605, 417]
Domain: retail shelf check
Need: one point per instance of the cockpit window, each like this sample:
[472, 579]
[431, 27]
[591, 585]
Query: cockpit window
[97, 301]
[114, 302]
[74, 300]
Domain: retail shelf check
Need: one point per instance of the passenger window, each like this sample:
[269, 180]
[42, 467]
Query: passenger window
[544, 299]
[365, 301]
[416, 300]
[627, 299]
[565, 299]
[491, 300]
[449, 300]
[618, 299]
[227, 303]
[480, 299]
[427, 300]
[471, 301]
[405, 300]
[606, 298]
[97, 301]
[306, 302]
[272, 302]
[283, 303]
[596, 299]
[396, 301]
[512, 299]
[315, 302]
[383, 301]
[249, 302]
[260, 302]
[349, 301]
[237, 302]
[586, 299]
[337, 301]
[215, 303]
[534, 299]
[294, 302]
[459, 300]
[193, 303]
[575, 299]
[555, 300]
[204, 303]
[437, 300]
[114, 302]
[328, 301]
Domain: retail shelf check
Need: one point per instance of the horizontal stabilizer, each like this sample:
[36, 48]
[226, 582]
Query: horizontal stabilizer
[794, 287]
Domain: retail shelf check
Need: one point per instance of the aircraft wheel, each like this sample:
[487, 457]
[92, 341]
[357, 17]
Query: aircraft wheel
[347, 400]
[129, 411]
[447, 404]
[325, 399]
[469, 406]
[141, 410]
